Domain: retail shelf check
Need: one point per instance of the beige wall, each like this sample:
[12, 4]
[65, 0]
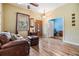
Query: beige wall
[10, 16]
[0, 17]
[71, 34]
[1, 20]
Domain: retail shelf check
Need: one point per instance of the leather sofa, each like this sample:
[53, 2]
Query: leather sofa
[13, 47]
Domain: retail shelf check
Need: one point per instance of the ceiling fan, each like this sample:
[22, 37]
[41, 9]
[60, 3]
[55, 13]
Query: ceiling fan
[33, 4]
[43, 14]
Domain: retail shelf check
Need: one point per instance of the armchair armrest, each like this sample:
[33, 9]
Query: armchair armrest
[14, 43]
[15, 48]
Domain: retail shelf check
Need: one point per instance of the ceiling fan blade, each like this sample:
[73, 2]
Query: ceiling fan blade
[34, 4]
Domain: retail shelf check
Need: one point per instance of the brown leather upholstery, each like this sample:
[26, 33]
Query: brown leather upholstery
[14, 43]
[32, 33]
[34, 40]
[3, 39]
[15, 48]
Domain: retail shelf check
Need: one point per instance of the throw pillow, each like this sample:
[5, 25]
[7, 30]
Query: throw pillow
[13, 36]
[7, 34]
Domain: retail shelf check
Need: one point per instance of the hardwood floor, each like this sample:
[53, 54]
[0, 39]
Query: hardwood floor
[53, 47]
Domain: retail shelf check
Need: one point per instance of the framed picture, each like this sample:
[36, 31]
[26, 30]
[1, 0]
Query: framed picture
[73, 17]
[22, 22]
[73, 24]
[73, 14]
[73, 21]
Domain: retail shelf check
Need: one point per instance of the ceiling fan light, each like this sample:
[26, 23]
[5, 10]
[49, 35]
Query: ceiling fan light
[44, 16]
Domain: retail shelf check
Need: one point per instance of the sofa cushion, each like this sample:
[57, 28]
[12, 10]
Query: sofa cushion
[14, 43]
[8, 34]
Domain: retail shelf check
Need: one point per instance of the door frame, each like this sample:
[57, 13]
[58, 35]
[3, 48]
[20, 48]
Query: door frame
[63, 27]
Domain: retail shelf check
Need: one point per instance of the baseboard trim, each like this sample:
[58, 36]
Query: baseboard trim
[71, 43]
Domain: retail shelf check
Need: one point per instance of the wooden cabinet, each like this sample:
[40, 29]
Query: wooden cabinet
[38, 27]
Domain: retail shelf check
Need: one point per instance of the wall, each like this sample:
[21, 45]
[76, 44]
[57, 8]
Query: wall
[71, 34]
[0, 17]
[45, 27]
[1, 20]
[51, 28]
[10, 16]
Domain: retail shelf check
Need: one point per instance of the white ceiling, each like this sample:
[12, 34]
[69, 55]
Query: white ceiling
[42, 6]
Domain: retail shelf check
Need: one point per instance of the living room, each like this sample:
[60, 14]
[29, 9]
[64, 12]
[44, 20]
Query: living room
[37, 26]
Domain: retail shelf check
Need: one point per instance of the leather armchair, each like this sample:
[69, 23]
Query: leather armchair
[15, 48]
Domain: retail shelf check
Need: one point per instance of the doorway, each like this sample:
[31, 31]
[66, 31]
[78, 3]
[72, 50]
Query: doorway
[57, 27]
[38, 27]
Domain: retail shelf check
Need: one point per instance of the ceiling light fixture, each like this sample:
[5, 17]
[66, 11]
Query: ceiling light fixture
[43, 15]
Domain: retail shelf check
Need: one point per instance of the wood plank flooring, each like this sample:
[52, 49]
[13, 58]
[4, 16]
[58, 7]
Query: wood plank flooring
[53, 47]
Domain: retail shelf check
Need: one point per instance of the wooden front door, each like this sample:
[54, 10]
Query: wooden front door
[38, 27]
